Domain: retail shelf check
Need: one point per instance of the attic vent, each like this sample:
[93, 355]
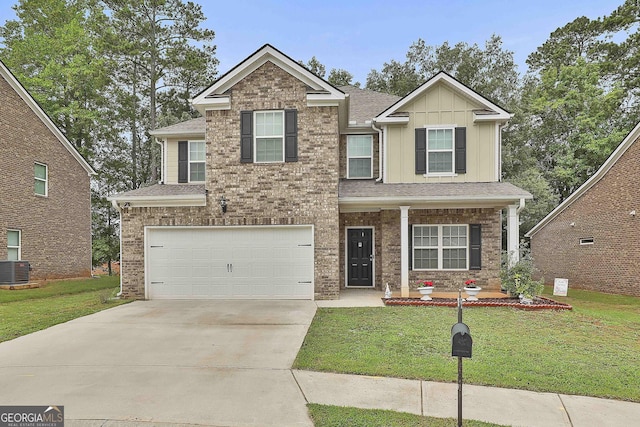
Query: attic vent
[14, 272]
[586, 241]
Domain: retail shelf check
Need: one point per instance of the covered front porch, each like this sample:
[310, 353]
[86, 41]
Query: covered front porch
[399, 234]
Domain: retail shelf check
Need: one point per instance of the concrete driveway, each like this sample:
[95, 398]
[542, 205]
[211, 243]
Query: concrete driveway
[214, 363]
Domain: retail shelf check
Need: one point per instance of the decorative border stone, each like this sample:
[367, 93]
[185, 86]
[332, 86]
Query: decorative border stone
[539, 303]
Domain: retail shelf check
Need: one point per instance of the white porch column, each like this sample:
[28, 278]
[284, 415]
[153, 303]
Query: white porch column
[513, 234]
[404, 251]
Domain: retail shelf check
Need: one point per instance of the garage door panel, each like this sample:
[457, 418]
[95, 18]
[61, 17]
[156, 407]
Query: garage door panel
[231, 262]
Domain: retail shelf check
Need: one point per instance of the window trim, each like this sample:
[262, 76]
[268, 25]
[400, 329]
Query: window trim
[45, 180]
[360, 157]
[584, 241]
[189, 161]
[440, 248]
[255, 136]
[19, 247]
[452, 150]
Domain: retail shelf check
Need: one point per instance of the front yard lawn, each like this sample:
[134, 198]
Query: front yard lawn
[25, 311]
[593, 350]
[337, 416]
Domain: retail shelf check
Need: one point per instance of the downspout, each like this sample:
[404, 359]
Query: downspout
[163, 149]
[380, 152]
[117, 207]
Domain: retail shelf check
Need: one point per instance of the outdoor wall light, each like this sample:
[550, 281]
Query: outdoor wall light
[632, 213]
[223, 204]
[573, 224]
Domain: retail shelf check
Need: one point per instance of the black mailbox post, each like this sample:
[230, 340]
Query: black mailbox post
[461, 341]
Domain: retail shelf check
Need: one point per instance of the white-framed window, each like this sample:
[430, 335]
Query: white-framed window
[586, 241]
[269, 136]
[14, 245]
[440, 247]
[440, 150]
[359, 156]
[197, 155]
[41, 179]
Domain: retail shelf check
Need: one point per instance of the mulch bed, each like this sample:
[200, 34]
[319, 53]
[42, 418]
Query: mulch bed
[539, 303]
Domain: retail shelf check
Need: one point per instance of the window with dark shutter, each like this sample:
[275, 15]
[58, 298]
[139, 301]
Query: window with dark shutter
[421, 151]
[291, 135]
[246, 136]
[410, 247]
[461, 150]
[183, 161]
[475, 247]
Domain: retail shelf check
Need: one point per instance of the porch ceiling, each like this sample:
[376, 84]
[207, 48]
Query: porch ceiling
[368, 195]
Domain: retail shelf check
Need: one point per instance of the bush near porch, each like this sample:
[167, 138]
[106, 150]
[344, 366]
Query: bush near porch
[593, 350]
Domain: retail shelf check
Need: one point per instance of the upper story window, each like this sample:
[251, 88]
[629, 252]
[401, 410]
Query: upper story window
[440, 152]
[197, 152]
[14, 246]
[269, 136]
[191, 161]
[359, 156]
[440, 247]
[41, 177]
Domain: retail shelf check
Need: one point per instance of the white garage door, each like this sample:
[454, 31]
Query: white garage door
[229, 262]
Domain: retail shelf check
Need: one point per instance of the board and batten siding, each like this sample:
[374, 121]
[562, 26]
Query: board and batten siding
[441, 105]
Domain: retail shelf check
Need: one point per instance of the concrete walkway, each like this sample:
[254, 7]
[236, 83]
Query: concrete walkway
[496, 405]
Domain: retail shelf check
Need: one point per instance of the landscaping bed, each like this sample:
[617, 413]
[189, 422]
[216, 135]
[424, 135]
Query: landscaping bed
[539, 303]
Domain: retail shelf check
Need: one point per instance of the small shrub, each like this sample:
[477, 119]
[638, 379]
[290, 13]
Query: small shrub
[106, 295]
[518, 279]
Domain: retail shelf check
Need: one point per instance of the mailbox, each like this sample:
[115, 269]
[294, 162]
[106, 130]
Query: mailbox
[461, 341]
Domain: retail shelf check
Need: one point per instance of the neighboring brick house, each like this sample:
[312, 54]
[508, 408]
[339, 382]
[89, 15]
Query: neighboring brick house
[45, 195]
[592, 238]
[289, 187]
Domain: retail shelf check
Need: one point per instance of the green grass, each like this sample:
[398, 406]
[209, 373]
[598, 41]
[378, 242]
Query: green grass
[25, 311]
[593, 350]
[338, 416]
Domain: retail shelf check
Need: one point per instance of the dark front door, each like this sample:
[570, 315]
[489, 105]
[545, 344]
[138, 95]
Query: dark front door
[359, 257]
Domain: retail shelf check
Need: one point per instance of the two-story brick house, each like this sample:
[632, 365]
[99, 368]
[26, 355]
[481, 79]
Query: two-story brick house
[583, 238]
[45, 193]
[289, 187]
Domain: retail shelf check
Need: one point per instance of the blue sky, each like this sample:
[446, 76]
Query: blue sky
[361, 35]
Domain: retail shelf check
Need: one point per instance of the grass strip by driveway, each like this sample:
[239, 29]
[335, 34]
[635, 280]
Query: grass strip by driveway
[338, 416]
[593, 350]
[25, 311]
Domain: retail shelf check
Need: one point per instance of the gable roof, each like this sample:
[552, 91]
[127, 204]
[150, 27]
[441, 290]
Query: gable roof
[489, 111]
[628, 141]
[365, 104]
[215, 96]
[35, 107]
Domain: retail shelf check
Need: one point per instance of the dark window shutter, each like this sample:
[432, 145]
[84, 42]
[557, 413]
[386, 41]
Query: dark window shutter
[410, 247]
[461, 150]
[421, 151]
[183, 161]
[246, 136]
[290, 135]
[475, 247]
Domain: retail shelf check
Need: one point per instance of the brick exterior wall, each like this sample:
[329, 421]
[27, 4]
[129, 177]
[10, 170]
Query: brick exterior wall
[56, 229]
[387, 246]
[612, 263]
[302, 192]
